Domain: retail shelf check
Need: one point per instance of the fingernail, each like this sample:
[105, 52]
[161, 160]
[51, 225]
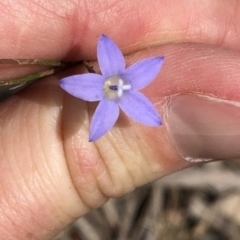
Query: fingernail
[203, 128]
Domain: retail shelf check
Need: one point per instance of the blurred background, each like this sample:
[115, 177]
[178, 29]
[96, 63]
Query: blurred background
[200, 203]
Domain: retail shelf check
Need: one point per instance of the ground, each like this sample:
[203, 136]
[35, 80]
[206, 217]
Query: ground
[200, 203]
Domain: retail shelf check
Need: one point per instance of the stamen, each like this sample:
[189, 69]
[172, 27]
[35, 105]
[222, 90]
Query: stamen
[114, 87]
[120, 83]
[126, 87]
[120, 92]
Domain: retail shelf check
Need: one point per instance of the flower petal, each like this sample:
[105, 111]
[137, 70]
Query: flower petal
[104, 118]
[88, 87]
[110, 58]
[138, 107]
[142, 73]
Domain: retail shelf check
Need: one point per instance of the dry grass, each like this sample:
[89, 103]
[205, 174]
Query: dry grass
[201, 203]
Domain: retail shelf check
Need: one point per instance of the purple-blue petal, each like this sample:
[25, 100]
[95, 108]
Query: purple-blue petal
[110, 58]
[142, 73]
[88, 87]
[138, 107]
[104, 118]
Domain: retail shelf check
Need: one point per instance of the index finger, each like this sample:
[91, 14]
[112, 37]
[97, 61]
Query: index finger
[55, 30]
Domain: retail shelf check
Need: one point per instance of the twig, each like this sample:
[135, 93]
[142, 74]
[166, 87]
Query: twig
[52, 63]
[30, 77]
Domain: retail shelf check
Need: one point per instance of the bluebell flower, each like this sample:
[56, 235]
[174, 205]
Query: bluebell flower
[116, 87]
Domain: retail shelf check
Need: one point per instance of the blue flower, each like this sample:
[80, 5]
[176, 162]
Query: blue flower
[116, 87]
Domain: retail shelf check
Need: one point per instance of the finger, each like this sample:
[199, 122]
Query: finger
[33, 29]
[30, 201]
[55, 175]
[131, 154]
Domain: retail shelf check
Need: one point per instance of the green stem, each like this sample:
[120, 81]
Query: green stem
[56, 67]
[52, 63]
[30, 77]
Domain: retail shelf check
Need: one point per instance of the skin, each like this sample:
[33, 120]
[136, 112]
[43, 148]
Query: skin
[50, 174]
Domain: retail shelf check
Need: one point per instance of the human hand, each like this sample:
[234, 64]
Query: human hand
[50, 173]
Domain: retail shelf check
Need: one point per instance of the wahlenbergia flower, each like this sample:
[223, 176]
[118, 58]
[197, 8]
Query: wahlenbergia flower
[116, 87]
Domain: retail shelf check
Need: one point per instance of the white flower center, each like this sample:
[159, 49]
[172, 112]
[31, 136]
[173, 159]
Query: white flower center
[114, 87]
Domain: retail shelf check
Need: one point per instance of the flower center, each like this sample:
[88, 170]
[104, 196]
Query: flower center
[114, 87]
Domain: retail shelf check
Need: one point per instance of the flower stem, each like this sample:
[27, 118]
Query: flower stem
[56, 67]
[30, 77]
[52, 63]
[89, 67]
